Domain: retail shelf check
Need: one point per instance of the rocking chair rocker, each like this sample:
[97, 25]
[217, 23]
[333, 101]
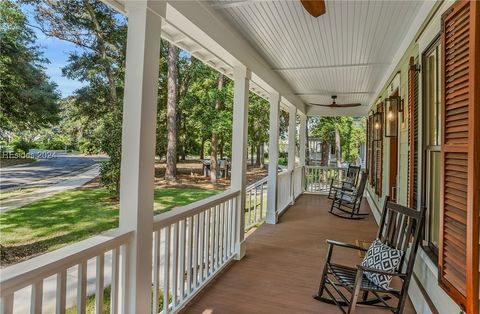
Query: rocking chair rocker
[346, 203]
[344, 285]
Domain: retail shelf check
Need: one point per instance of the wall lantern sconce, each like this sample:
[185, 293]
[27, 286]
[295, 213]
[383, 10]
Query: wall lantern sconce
[377, 125]
[393, 107]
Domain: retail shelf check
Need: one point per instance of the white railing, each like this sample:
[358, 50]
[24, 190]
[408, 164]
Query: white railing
[297, 183]
[284, 190]
[45, 277]
[255, 203]
[191, 244]
[318, 178]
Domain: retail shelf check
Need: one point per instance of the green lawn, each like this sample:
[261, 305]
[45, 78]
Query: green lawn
[72, 216]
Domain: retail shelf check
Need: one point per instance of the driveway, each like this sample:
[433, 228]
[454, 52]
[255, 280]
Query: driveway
[57, 164]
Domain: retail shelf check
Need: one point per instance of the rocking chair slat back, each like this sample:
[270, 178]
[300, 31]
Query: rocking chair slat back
[399, 226]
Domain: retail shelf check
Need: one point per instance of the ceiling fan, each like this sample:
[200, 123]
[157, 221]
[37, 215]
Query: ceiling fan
[314, 7]
[335, 105]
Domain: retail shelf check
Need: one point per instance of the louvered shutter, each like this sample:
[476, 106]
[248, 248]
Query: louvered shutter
[412, 179]
[460, 171]
[379, 156]
[370, 149]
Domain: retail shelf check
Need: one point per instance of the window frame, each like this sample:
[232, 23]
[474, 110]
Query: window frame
[425, 149]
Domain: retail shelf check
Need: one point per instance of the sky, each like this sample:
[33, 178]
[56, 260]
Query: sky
[56, 51]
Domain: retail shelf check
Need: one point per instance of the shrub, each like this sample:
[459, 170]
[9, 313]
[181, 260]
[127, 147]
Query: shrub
[110, 176]
[22, 145]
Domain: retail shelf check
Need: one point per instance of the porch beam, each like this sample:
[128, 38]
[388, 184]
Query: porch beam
[271, 217]
[138, 151]
[241, 76]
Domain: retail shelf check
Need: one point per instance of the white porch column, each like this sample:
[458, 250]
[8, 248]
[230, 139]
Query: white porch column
[292, 130]
[302, 143]
[138, 152]
[271, 217]
[241, 76]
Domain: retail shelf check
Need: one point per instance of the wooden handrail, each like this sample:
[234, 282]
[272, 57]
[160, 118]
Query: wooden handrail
[25, 273]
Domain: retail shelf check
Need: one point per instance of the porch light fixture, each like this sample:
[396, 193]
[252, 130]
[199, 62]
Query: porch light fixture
[377, 125]
[393, 107]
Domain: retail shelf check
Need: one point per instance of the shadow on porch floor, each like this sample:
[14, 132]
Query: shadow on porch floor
[282, 268]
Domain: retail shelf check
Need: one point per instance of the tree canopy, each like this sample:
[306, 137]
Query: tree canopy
[28, 99]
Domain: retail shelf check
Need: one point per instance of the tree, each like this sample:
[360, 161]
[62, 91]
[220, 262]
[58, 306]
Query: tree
[344, 133]
[29, 100]
[100, 34]
[215, 134]
[171, 166]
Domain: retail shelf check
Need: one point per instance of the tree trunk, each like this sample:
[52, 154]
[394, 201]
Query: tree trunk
[215, 136]
[262, 155]
[252, 151]
[202, 149]
[338, 147]
[171, 168]
[257, 161]
[221, 146]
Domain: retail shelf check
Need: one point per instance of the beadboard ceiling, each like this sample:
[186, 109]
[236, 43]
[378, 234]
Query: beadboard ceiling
[345, 52]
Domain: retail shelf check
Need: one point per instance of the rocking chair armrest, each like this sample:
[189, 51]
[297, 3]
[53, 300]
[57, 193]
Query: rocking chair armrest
[379, 271]
[346, 245]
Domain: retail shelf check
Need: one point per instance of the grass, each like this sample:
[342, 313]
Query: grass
[14, 193]
[8, 162]
[72, 216]
[90, 304]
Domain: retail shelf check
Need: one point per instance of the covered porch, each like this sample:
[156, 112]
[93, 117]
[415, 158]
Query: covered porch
[202, 258]
[283, 265]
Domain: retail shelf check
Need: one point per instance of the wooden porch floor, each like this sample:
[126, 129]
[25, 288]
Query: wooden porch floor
[283, 264]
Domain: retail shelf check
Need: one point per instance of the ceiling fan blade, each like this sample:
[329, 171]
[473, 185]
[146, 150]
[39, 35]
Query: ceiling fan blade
[322, 105]
[314, 7]
[346, 105]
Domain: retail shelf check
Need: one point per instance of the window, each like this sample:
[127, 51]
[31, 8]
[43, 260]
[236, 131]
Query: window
[431, 147]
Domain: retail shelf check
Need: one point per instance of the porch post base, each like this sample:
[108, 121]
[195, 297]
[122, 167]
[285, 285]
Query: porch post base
[271, 218]
[240, 250]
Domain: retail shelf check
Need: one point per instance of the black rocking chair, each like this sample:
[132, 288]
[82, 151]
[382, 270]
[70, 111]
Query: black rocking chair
[399, 227]
[347, 184]
[347, 203]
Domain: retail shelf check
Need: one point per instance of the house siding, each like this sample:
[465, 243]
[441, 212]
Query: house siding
[425, 293]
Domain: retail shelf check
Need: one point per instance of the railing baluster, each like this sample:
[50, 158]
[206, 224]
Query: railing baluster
[174, 265]
[229, 228]
[36, 297]
[114, 285]
[188, 259]
[82, 288]
[156, 269]
[217, 236]
[166, 272]
[207, 243]
[250, 207]
[196, 221]
[7, 304]
[201, 239]
[181, 259]
[222, 234]
[100, 265]
[255, 206]
[61, 292]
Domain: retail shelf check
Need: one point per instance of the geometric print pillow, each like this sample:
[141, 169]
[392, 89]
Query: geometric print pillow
[382, 257]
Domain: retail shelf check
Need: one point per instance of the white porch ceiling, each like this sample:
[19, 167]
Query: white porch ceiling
[347, 52]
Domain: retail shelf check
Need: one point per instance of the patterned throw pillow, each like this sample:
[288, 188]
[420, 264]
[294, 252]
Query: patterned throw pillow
[382, 257]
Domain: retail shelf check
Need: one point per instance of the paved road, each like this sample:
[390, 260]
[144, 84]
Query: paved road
[29, 175]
